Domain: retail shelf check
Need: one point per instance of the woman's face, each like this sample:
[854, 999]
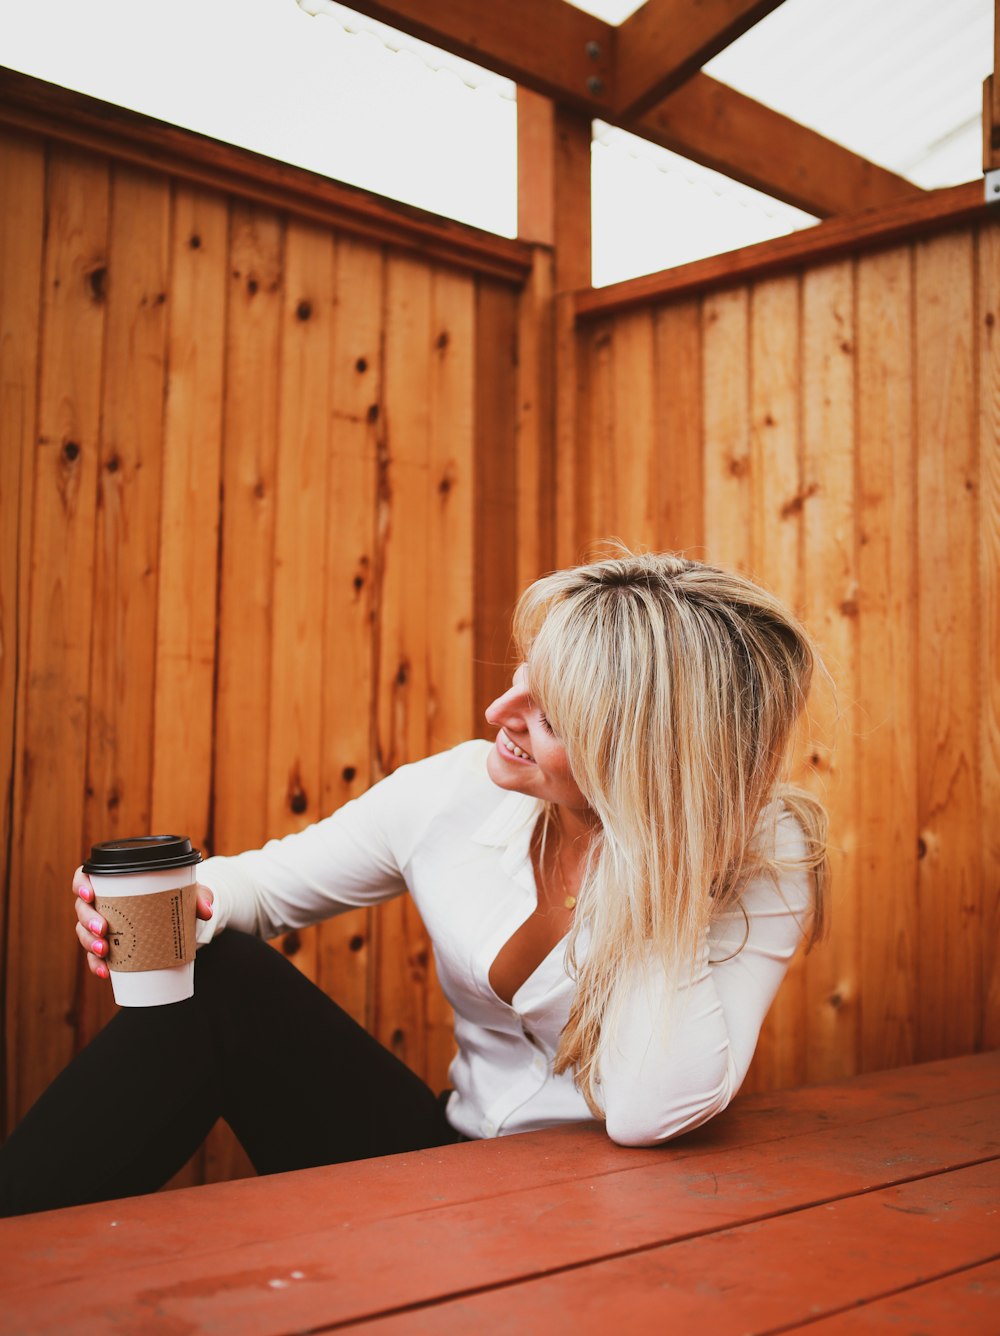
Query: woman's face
[527, 756]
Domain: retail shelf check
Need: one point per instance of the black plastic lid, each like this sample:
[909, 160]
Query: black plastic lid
[146, 853]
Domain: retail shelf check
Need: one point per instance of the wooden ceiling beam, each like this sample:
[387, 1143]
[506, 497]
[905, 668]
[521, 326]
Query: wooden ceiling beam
[547, 45]
[556, 49]
[715, 125]
[665, 42]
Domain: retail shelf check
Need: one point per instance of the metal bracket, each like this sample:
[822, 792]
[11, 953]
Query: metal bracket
[992, 184]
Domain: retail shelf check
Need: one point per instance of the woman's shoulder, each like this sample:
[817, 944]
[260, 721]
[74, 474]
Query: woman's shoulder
[434, 781]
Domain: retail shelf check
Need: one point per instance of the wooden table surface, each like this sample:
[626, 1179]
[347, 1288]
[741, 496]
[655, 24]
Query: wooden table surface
[871, 1205]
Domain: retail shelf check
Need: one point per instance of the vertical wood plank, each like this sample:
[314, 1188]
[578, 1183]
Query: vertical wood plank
[498, 523]
[189, 527]
[184, 687]
[830, 608]
[51, 766]
[988, 312]
[253, 349]
[571, 179]
[451, 501]
[535, 425]
[630, 447]
[887, 653]
[127, 525]
[250, 433]
[349, 603]
[725, 418]
[22, 227]
[596, 514]
[679, 484]
[950, 958]
[300, 549]
[776, 553]
[401, 713]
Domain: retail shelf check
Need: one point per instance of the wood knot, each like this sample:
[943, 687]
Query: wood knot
[397, 1039]
[113, 464]
[356, 942]
[259, 490]
[304, 310]
[349, 773]
[403, 674]
[769, 420]
[372, 414]
[739, 466]
[291, 943]
[849, 607]
[98, 281]
[989, 320]
[298, 801]
[359, 583]
[795, 505]
[443, 339]
[836, 1000]
[160, 299]
[361, 365]
[252, 286]
[921, 847]
[195, 241]
[113, 800]
[444, 486]
[71, 451]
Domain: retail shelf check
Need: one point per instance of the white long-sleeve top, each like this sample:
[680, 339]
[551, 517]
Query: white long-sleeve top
[461, 846]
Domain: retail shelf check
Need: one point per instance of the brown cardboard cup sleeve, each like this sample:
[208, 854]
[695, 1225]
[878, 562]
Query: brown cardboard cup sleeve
[150, 932]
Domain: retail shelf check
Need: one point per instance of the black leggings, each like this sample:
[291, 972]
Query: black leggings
[298, 1081]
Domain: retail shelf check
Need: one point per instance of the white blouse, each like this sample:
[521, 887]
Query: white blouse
[460, 845]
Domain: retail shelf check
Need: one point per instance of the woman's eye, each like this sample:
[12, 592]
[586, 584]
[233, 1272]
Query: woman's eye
[545, 724]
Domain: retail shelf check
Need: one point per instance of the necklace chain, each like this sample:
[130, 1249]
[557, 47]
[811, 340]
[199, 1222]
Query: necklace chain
[569, 901]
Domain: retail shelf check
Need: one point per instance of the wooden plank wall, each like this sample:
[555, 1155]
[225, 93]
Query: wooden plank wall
[835, 435]
[253, 473]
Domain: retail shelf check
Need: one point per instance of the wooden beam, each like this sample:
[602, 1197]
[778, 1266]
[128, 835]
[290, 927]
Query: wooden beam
[932, 211]
[545, 45]
[715, 125]
[548, 45]
[665, 42]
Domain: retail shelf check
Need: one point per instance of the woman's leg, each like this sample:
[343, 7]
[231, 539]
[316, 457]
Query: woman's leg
[299, 1082]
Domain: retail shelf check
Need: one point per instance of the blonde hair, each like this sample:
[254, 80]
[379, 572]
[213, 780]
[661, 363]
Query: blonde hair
[675, 688]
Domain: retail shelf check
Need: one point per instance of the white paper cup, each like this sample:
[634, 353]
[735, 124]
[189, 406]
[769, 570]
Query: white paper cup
[161, 931]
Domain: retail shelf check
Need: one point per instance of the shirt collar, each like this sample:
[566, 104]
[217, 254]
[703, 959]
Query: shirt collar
[512, 815]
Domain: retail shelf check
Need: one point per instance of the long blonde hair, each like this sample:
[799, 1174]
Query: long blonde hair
[675, 688]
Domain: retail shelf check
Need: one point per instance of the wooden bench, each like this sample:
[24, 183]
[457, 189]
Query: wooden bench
[868, 1205]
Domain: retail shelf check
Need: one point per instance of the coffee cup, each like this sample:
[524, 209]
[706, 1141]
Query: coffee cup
[145, 888]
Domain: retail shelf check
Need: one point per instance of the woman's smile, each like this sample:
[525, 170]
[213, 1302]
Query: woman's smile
[513, 751]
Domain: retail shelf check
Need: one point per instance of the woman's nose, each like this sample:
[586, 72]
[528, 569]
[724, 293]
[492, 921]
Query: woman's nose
[504, 708]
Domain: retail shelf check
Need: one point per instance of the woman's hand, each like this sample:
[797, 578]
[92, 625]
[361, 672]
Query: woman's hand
[92, 928]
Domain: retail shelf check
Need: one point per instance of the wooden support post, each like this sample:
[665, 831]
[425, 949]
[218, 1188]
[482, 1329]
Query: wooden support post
[554, 212]
[991, 102]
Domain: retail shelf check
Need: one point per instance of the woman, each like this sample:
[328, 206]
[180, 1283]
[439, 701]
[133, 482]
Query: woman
[610, 930]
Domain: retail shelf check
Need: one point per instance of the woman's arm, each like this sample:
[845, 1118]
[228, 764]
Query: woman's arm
[353, 858]
[667, 1068]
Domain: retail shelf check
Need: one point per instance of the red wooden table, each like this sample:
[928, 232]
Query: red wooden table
[869, 1205]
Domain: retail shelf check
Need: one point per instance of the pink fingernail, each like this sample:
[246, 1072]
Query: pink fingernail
[95, 925]
[84, 893]
[102, 971]
[97, 948]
